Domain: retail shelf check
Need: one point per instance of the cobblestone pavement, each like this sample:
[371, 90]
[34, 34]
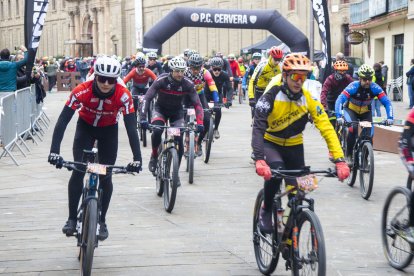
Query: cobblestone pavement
[209, 230]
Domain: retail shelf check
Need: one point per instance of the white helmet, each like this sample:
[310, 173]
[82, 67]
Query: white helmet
[152, 55]
[177, 63]
[107, 67]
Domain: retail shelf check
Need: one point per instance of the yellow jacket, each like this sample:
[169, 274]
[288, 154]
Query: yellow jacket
[262, 75]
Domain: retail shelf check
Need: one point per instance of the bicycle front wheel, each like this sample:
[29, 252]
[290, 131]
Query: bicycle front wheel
[395, 217]
[240, 96]
[159, 177]
[264, 246]
[209, 141]
[89, 240]
[366, 170]
[190, 159]
[310, 256]
[171, 179]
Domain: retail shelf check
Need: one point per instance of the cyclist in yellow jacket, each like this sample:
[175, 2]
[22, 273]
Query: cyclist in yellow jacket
[280, 118]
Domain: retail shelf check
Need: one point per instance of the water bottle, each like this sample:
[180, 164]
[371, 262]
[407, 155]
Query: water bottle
[280, 226]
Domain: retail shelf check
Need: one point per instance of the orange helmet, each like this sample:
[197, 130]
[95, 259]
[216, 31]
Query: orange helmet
[276, 52]
[340, 65]
[296, 61]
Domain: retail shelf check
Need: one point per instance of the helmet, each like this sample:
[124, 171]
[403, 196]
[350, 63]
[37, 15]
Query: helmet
[127, 58]
[107, 67]
[140, 60]
[256, 55]
[219, 54]
[240, 59]
[231, 56]
[340, 65]
[177, 63]
[195, 60]
[216, 62]
[365, 71]
[276, 52]
[296, 61]
[152, 55]
[186, 52]
[191, 52]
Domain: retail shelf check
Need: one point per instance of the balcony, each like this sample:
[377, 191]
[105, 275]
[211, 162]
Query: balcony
[362, 11]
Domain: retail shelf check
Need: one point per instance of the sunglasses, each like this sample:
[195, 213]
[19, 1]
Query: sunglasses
[152, 59]
[196, 68]
[366, 79]
[141, 67]
[179, 71]
[296, 77]
[341, 72]
[217, 69]
[103, 79]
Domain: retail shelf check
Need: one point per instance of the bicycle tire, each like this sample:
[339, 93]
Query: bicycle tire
[209, 140]
[391, 225]
[144, 137]
[89, 238]
[191, 158]
[265, 261]
[366, 169]
[171, 179]
[315, 260]
[240, 96]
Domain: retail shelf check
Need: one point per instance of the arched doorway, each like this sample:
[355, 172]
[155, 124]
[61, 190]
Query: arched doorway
[86, 42]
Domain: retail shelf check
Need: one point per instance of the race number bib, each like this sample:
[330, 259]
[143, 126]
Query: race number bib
[173, 131]
[96, 168]
[307, 183]
[190, 111]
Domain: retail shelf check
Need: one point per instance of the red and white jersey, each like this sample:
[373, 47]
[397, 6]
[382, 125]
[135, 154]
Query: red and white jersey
[100, 112]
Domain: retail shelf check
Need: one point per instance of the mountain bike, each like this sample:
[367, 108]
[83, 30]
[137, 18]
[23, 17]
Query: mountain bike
[395, 219]
[142, 132]
[209, 138]
[90, 208]
[300, 238]
[362, 157]
[166, 173]
[190, 139]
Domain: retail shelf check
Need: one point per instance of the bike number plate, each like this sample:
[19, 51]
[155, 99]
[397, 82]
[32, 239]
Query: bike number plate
[173, 131]
[96, 168]
[211, 105]
[190, 111]
[140, 98]
[365, 124]
[307, 183]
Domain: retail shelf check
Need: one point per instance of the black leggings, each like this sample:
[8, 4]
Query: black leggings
[85, 136]
[206, 119]
[277, 157]
[350, 115]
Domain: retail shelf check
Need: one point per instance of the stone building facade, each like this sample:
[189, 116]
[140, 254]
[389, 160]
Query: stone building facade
[86, 27]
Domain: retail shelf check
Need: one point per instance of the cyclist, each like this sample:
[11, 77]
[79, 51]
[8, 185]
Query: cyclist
[226, 65]
[334, 85]
[256, 57]
[200, 77]
[140, 78]
[224, 87]
[262, 75]
[126, 67]
[280, 118]
[153, 64]
[406, 153]
[99, 101]
[171, 88]
[235, 70]
[357, 97]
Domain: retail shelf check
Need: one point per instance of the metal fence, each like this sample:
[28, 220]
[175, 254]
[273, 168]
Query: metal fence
[21, 118]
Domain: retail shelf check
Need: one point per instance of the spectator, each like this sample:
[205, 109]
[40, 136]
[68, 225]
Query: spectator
[22, 80]
[83, 69]
[70, 66]
[52, 70]
[8, 69]
[37, 79]
[410, 80]
[378, 79]
[384, 71]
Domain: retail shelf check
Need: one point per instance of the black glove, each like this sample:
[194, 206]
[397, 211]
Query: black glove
[200, 128]
[134, 166]
[228, 104]
[252, 102]
[216, 107]
[144, 124]
[55, 159]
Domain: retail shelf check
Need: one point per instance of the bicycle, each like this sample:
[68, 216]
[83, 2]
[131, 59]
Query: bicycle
[142, 132]
[302, 226]
[166, 173]
[362, 156]
[89, 209]
[395, 219]
[190, 138]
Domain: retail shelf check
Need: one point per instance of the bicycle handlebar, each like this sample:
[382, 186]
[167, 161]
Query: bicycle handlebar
[71, 165]
[329, 172]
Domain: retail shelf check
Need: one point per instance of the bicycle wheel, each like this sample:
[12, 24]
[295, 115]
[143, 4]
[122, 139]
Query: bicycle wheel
[310, 258]
[265, 251]
[89, 240]
[191, 158]
[171, 179]
[395, 216]
[159, 177]
[144, 137]
[366, 170]
[209, 140]
[240, 96]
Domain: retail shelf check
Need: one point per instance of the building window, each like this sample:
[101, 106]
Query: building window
[347, 45]
[344, 1]
[17, 7]
[398, 55]
[291, 5]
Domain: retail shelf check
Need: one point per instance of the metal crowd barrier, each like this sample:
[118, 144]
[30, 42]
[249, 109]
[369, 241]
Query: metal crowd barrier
[21, 118]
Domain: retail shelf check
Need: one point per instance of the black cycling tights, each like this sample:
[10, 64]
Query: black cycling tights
[157, 133]
[85, 137]
[277, 157]
[217, 118]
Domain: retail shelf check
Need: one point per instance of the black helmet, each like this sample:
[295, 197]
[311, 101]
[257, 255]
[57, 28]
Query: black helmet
[216, 62]
[195, 60]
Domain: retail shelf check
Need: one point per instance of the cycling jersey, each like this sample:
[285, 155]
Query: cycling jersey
[235, 70]
[282, 121]
[242, 69]
[170, 96]
[140, 81]
[359, 99]
[406, 141]
[203, 77]
[332, 88]
[100, 111]
[223, 84]
[156, 68]
[262, 75]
